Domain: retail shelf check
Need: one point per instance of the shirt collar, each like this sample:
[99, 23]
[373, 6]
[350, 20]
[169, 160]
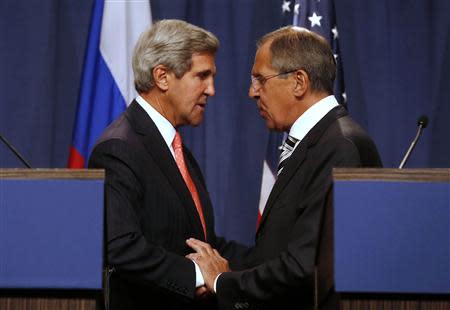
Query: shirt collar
[312, 116]
[164, 126]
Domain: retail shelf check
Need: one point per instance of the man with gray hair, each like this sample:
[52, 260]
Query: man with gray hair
[292, 83]
[156, 196]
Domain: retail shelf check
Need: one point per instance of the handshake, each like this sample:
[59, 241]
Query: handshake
[210, 262]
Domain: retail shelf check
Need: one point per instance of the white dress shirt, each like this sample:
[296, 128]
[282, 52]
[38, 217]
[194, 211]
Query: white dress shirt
[164, 126]
[311, 117]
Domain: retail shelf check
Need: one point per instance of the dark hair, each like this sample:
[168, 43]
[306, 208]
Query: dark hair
[295, 48]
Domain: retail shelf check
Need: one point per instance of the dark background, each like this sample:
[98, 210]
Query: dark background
[395, 55]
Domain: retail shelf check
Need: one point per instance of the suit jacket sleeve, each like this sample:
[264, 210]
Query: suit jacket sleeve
[293, 268]
[127, 250]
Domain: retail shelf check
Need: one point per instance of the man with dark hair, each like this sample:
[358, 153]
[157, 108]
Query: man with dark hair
[156, 197]
[292, 83]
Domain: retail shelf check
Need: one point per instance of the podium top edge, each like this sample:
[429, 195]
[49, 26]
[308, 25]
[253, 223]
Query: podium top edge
[84, 174]
[392, 174]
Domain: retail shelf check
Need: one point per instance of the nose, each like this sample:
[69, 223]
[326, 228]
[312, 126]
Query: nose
[210, 90]
[252, 93]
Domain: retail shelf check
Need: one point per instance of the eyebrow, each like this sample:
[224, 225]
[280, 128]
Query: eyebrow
[206, 72]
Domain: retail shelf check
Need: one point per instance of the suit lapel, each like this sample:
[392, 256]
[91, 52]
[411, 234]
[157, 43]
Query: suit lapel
[293, 164]
[157, 148]
[299, 155]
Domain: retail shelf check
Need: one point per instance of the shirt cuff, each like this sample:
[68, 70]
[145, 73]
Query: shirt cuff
[215, 283]
[199, 281]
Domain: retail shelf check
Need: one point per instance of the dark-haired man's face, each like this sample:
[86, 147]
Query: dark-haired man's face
[274, 96]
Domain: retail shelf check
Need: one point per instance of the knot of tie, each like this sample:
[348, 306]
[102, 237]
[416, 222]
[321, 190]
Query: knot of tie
[286, 151]
[177, 142]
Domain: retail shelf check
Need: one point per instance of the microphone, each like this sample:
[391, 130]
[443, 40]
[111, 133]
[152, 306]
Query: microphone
[422, 123]
[13, 149]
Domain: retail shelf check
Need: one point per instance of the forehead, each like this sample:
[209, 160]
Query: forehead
[203, 62]
[262, 59]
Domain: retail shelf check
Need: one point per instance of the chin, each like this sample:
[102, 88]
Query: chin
[270, 124]
[273, 127]
[195, 122]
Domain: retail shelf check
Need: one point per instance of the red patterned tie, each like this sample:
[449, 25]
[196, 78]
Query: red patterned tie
[179, 158]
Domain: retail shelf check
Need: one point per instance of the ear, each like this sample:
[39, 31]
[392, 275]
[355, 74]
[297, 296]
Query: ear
[160, 76]
[301, 82]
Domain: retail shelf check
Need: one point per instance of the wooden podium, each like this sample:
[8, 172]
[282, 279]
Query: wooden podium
[51, 239]
[385, 241]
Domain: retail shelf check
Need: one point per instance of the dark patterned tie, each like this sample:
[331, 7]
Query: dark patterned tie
[286, 150]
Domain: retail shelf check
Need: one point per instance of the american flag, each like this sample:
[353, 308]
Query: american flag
[317, 16]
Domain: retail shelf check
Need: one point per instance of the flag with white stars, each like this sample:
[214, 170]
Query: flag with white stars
[319, 16]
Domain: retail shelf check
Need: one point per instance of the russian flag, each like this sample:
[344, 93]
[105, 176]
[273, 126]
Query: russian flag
[107, 83]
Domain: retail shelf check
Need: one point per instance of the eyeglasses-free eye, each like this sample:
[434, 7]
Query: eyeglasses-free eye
[258, 81]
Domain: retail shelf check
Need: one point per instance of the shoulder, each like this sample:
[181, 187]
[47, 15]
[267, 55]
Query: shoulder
[347, 140]
[119, 129]
[118, 142]
[353, 139]
[121, 133]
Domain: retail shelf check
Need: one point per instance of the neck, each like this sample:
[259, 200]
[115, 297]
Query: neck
[157, 101]
[313, 98]
[303, 104]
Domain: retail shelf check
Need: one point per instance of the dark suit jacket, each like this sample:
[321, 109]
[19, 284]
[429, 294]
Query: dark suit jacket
[149, 216]
[281, 265]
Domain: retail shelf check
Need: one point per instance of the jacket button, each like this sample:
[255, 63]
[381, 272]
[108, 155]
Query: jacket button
[241, 305]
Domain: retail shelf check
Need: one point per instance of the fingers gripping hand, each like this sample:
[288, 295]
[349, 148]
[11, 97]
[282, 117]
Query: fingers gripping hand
[199, 246]
[209, 260]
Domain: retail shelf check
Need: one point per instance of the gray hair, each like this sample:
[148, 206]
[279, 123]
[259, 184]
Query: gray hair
[171, 43]
[294, 48]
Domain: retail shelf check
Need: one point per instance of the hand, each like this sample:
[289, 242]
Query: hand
[209, 260]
